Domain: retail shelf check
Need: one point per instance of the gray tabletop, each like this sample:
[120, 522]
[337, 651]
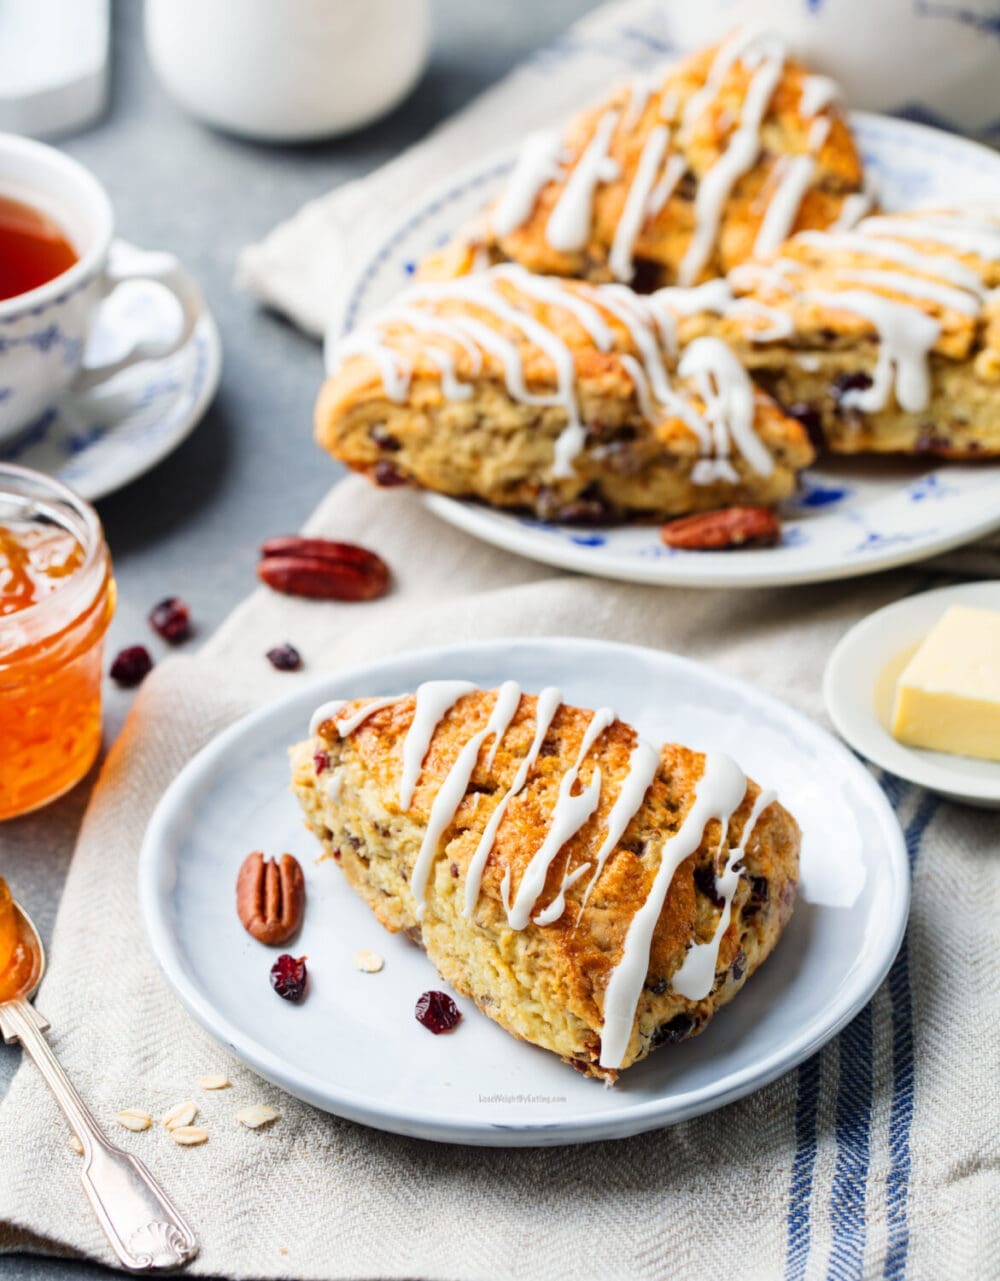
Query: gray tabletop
[192, 525]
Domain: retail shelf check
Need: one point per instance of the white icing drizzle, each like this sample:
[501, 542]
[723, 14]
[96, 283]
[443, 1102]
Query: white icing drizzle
[336, 785]
[552, 291]
[640, 88]
[713, 295]
[640, 382]
[943, 266]
[394, 370]
[718, 795]
[568, 816]
[634, 211]
[967, 235]
[456, 783]
[549, 701]
[668, 104]
[642, 766]
[729, 407]
[914, 287]
[325, 712]
[817, 92]
[819, 131]
[504, 711]
[673, 171]
[451, 385]
[569, 223]
[349, 724]
[537, 164]
[433, 700]
[549, 915]
[729, 53]
[796, 173]
[426, 322]
[740, 154]
[906, 335]
[694, 979]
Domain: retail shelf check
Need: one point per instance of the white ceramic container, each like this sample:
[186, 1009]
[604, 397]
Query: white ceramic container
[288, 70]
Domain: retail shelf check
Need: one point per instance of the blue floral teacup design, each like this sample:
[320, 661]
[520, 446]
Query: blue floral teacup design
[43, 333]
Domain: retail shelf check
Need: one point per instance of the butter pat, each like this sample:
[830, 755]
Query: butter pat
[948, 696]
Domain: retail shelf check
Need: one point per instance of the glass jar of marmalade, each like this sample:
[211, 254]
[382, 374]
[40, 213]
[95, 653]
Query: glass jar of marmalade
[57, 597]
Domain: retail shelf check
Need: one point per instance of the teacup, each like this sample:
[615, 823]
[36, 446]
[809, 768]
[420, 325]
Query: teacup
[43, 332]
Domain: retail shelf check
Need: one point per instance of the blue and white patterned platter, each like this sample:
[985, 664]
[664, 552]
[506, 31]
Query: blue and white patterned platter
[852, 516]
[98, 441]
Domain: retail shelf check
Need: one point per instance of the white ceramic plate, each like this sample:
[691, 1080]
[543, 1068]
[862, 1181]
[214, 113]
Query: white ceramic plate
[99, 441]
[354, 1048]
[852, 516]
[858, 688]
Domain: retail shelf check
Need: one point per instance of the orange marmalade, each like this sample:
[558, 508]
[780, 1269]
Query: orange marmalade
[56, 600]
[18, 963]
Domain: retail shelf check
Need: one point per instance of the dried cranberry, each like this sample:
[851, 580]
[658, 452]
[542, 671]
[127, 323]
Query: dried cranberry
[453, 868]
[288, 977]
[705, 883]
[386, 475]
[171, 619]
[322, 761]
[286, 658]
[384, 439]
[131, 665]
[437, 1012]
[679, 1028]
[843, 383]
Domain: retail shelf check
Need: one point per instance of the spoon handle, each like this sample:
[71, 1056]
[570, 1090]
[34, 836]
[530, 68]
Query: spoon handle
[146, 1231]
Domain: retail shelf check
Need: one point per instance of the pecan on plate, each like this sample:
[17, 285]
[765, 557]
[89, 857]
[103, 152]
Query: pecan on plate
[270, 897]
[724, 529]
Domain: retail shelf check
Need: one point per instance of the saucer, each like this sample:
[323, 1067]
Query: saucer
[858, 686]
[98, 441]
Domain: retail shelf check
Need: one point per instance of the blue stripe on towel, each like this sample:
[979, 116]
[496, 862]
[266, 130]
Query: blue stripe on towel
[853, 1128]
[800, 1193]
[901, 1111]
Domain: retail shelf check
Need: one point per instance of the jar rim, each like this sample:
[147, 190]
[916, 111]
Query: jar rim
[78, 591]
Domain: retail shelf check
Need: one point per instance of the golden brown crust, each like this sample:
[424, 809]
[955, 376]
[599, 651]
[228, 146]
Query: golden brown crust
[829, 350]
[502, 450]
[546, 983]
[698, 143]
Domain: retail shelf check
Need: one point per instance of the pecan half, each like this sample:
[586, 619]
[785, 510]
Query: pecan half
[270, 897]
[724, 529]
[322, 569]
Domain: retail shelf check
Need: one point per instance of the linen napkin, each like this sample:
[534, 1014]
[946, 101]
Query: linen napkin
[877, 1157]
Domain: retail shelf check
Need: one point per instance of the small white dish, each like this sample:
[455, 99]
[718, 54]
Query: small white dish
[97, 441]
[858, 688]
[853, 515]
[354, 1047]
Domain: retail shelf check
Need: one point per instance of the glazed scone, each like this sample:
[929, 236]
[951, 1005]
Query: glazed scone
[554, 397]
[593, 894]
[881, 339]
[676, 176]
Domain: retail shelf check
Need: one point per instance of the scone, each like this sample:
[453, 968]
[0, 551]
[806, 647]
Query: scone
[554, 397]
[677, 176]
[593, 894]
[882, 339]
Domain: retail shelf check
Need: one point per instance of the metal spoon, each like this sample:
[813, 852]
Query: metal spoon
[145, 1229]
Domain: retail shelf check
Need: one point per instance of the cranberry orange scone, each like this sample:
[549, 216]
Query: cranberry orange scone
[677, 176]
[556, 397]
[882, 339]
[593, 894]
